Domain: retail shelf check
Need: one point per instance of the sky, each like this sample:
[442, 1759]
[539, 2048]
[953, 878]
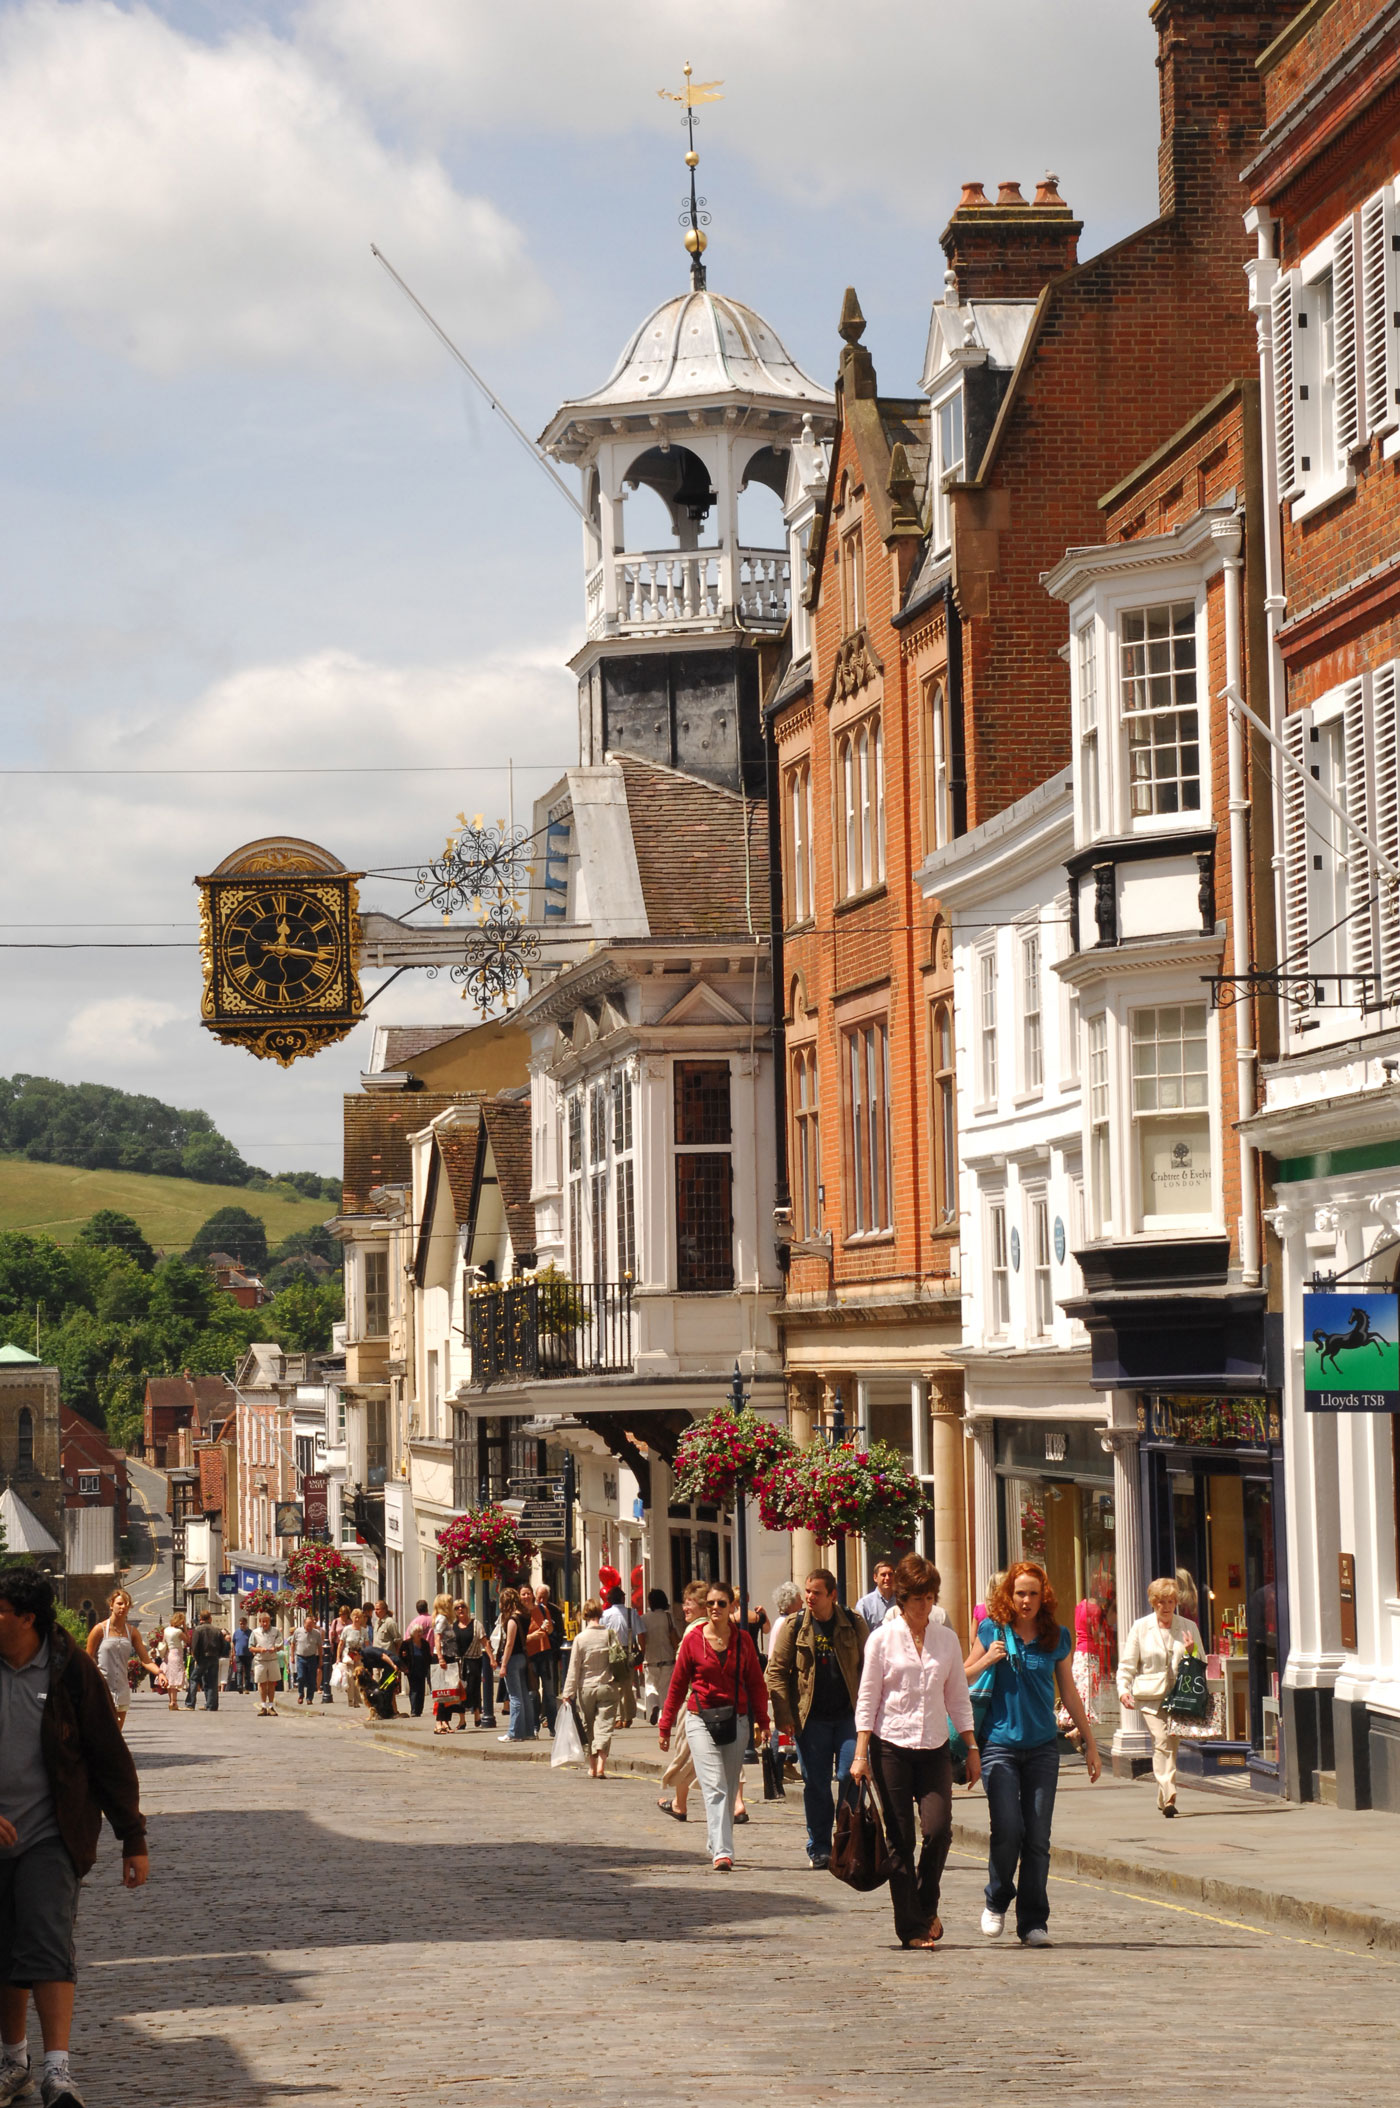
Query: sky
[253, 517]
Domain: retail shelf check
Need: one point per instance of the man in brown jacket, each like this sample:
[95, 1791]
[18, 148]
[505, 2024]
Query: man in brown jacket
[814, 1675]
[63, 1766]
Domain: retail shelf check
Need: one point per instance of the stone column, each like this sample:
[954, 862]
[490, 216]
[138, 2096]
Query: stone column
[1132, 1744]
[986, 1554]
[943, 1392]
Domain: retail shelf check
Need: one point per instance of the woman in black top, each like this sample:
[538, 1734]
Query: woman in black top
[515, 1623]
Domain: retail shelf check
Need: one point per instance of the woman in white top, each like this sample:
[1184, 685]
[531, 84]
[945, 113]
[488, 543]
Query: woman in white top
[111, 1645]
[177, 1644]
[911, 1684]
[1148, 1664]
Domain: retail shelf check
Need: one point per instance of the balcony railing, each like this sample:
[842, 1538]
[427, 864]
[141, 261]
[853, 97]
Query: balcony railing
[550, 1328]
[685, 589]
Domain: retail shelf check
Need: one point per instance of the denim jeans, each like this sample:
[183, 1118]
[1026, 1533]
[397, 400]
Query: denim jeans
[718, 1768]
[204, 1678]
[308, 1667]
[1020, 1785]
[522, 1705]
[547, 1698]
[824, 1745]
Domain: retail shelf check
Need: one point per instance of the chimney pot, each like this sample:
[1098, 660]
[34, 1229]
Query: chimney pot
[1009, 194]
[972, 194]
[1047, 190]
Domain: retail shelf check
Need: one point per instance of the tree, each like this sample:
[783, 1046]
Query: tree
[213, 1160]
[300, 1318]
[297, 1244]
[235, 1231]
[35, 1270]
[109, 1230]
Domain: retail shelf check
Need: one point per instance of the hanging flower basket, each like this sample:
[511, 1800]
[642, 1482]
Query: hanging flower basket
[486, 1537]
[265, 1599]
[318, 1566]
[724, 1450]
[844, 1492]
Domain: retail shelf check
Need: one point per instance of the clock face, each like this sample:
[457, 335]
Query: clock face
[282, 947]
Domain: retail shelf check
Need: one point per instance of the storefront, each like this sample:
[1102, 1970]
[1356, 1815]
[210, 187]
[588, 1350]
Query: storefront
[1212, 1489]
[1056, 1505]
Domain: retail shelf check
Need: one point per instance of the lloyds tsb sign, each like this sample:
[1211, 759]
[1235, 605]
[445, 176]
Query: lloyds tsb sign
[1351, 1353]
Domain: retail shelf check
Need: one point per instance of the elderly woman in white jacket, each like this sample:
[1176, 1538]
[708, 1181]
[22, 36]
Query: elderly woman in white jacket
[911, 1684]
[1148, 1664]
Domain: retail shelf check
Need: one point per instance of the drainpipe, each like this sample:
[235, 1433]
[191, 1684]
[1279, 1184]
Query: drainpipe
[1262, 274]
[1226, 533]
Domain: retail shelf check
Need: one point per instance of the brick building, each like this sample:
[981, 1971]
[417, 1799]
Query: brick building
[176, 1403]
[1324, 203]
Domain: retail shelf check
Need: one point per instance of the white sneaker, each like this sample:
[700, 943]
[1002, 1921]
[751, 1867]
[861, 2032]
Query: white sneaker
[993, 1923]
[1036, 1937]
[14, 2080]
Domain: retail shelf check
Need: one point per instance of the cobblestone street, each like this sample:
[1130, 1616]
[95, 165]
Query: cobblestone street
[337, 1921]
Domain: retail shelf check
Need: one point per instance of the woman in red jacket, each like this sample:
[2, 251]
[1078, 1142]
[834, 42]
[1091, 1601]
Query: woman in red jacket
[719, 1679]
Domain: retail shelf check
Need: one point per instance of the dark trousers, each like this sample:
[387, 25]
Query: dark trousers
[913, 1782]
[824, 1746]
[417, 1689]
[240, 1674]
[546, 1688]
[204, 1676]
[1020, 1786]
[308, 1671]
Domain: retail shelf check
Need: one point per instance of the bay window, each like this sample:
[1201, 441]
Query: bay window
[1100, 1162]
[1171, 1109]
[1157, 661]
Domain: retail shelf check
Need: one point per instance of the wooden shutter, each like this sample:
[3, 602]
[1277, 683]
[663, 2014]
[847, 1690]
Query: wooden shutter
[1385, 734]
[1380, 335]
[1282, 304]
[1295, 839]
[1359, 949]
[1347, 381]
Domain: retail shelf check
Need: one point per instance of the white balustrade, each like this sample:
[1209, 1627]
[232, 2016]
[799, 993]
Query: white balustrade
[684, 589]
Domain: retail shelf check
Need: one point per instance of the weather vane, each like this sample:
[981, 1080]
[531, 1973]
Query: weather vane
[694, 218]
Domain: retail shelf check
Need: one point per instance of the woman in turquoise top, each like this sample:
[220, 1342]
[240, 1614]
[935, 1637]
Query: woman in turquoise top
[1025, 1651]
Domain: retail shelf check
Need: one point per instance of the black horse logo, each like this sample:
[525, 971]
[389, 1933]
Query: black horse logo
[1330, 1344]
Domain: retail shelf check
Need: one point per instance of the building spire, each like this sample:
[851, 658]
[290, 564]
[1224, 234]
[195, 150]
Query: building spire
[694, 218]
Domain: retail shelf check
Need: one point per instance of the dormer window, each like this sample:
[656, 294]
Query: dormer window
[950, 451]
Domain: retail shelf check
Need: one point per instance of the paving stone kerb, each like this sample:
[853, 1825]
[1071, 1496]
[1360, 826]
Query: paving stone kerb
[1332, 1874]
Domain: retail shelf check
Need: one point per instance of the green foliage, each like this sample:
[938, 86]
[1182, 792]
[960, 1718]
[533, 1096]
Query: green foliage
[72, 1622]
[316, 1242]
[99, 1128]
[109, 1230]
[235, 1231]
[302, 1316]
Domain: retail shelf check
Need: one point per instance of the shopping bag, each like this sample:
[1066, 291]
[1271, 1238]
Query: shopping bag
[1189, 1697]
[338, 1677]
[568, 1742]
[773, 1789]
[859, 1856]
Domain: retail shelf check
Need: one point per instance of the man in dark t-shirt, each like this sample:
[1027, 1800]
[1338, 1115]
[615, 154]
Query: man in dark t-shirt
[814, 1675]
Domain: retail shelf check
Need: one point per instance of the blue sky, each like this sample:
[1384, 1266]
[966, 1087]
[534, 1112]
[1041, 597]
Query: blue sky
[251, 513]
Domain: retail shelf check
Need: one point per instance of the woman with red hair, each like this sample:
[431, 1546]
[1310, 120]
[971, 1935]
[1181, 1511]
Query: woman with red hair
[1022, 1662]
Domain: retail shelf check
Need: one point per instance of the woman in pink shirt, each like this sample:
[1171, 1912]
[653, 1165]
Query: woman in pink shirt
[911, 1684]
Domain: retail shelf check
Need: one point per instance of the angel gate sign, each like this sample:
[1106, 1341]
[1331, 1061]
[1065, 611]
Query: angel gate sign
[1351, 1352]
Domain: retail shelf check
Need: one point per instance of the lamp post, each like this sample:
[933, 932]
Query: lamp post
[836, 1439]
[570, 1495]
[737, 1402]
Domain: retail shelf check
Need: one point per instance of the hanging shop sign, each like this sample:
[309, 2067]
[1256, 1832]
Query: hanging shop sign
[315, 1499]
[278, 933]
[1351, 1353]
[289, 1519]
[1190, 1421]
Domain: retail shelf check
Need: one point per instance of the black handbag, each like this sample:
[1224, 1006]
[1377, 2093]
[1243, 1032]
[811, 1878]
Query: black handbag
[721, 1722]
[859, 1854]
[773, 1788]
[1189, 1696]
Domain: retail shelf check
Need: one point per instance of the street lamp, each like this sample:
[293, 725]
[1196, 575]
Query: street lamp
[835, 1438]
[737, 1401]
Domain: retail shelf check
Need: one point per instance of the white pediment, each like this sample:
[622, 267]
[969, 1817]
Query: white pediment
[703, 1005]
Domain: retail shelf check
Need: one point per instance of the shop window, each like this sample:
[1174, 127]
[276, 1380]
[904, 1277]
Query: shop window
[801, 872]
[704, 1182]
[866, 1059]
[999, 1270]
[376, 1295]
[1100, 1159]
[860, 775]
[1058, 1510]
[987, 1027]
[1032, 1041]
[944, 1117]
[806, 1143]
[1157, 655]
[1171, 1110]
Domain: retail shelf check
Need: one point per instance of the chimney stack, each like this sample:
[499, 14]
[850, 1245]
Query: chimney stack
[1211, 96]
[1010, 249]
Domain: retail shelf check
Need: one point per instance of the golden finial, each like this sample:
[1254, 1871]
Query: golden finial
[694, 218]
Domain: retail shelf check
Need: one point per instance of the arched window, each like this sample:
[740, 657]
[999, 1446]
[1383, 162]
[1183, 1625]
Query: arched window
[801, 904]
[944, 1117]
[806, 1144]
[25, 1455]
[937, 774]
[860, 772]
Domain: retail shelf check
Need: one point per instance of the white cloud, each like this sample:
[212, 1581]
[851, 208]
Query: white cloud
[895, 104]
[123, 1031]
[186, 203]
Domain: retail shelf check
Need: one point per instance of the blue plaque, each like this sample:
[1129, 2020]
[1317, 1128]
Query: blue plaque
[1060, 1239]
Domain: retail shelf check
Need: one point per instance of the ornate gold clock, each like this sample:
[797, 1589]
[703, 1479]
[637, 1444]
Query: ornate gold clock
[279, 934]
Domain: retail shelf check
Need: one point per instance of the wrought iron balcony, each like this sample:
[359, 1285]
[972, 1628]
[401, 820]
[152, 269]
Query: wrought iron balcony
[550, 1328]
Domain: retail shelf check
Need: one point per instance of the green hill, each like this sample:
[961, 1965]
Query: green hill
[55, 1200]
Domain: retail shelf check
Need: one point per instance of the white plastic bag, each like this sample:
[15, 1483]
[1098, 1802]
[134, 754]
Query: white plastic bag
[568, 1744]
[338, 1677]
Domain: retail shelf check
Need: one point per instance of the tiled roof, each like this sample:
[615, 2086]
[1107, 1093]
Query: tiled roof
[702, 853]
[377, 1127]
[458, 1153]
[206, 1397]
[508, 1125]
[80, 1436]
[402, 1042]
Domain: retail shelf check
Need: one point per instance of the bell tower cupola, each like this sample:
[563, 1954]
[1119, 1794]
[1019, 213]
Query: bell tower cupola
[683, 455]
